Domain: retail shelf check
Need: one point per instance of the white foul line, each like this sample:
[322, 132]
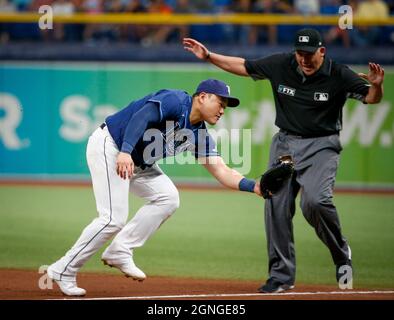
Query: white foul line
[236, 295]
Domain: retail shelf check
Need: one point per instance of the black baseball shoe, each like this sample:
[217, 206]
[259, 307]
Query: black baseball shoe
[349, 271]
[274, 286]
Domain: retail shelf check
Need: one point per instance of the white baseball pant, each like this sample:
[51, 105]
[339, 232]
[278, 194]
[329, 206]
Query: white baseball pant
[112, 200]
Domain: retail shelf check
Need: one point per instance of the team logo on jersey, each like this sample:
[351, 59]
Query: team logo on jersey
[303, 39]
[177, 140]
[321, 96]
[286, 90]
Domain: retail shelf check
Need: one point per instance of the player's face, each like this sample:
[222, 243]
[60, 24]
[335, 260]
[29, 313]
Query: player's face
[310, 62]
[213, 108]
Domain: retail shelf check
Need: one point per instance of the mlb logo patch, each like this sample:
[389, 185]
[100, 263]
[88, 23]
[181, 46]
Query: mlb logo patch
[321, 96]
[286, 90]
[303, 39]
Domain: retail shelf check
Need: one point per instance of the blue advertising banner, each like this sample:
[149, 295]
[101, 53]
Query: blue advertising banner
[48, 110]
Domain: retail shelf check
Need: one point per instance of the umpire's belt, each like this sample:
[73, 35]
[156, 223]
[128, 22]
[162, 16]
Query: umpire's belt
[103, 125]
[298, 136]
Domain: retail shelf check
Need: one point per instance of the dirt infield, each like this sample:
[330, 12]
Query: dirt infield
[21, 284]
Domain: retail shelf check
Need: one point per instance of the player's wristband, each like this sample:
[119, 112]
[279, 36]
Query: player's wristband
[208, 56]
[246, 185]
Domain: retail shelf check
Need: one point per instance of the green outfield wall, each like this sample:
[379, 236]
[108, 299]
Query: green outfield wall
[48, 110]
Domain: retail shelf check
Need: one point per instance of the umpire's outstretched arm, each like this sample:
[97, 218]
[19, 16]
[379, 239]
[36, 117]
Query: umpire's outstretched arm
[234, 65]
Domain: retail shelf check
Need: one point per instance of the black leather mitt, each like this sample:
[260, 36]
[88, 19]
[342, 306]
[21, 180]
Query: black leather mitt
[272, 180]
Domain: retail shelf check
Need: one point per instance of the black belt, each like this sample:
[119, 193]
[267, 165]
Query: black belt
[103, 125]
[299, 136]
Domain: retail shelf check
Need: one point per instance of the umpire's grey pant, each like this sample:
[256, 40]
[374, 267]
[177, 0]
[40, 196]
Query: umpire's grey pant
[316, 161]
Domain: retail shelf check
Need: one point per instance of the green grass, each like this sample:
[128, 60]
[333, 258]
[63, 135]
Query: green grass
[212, 235]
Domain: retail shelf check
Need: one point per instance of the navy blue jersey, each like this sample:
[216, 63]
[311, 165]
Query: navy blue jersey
[171, 135]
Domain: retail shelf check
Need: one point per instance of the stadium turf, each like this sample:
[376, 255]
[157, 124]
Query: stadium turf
[214, 234]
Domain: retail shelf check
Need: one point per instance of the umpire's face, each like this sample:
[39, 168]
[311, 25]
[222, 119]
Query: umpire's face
[212, 107]
[310, 62]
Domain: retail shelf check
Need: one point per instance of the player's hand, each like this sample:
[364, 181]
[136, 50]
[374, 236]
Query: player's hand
[257, 189]
[199, 50]
[124, 165]
[375, 75]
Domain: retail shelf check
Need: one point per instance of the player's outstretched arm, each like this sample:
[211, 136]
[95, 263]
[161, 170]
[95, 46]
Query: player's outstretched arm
[375, 77]
[228, 177]
[234, 65]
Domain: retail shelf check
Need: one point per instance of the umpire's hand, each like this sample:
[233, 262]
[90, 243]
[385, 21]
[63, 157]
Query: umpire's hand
[375, 74]
[124, 165]
[199, 50]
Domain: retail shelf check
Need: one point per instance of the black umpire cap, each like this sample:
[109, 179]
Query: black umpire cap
[308, 40]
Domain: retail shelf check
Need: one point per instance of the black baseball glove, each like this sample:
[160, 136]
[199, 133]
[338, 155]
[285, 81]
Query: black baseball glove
[272, 180]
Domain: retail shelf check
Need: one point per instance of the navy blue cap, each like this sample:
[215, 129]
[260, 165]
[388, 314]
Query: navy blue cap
[219, 88]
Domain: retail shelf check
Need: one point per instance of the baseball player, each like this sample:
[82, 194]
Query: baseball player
[310, 91]
[121, 156]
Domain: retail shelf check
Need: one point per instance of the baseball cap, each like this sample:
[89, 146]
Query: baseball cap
[219, 88]
[308, 40]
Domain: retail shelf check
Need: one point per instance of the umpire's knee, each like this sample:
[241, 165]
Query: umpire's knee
[315, 203]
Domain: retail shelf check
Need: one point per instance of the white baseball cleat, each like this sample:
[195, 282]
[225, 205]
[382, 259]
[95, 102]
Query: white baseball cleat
[128, 268]
[69, 288]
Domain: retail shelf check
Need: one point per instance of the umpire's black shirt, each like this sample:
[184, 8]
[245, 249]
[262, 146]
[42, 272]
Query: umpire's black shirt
[308, 106]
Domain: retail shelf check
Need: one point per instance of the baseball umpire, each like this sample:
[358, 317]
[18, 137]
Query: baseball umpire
[310, 91]
[121, 156]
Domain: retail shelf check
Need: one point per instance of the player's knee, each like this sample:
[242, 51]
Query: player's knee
[112, 225]
[173, 200]
[170, 200]
[117, 224]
